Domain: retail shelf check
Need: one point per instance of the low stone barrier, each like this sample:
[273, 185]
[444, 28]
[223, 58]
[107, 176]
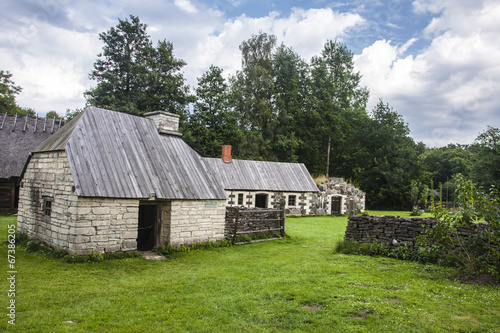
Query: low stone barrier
[386, 229]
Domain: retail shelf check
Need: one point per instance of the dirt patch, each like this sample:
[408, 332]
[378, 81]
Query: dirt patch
[480, 279]
[394, 300]
[362, 314]
[386, 264]
[358, 285]
[150, 255]
[312, 307]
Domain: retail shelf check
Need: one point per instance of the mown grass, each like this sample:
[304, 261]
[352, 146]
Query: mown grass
[296, 284]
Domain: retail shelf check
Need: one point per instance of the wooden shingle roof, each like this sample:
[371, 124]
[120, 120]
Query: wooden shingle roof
[117, 155]
[262, 176]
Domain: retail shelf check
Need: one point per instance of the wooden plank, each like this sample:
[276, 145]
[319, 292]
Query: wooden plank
[235, 231]
[257, 231]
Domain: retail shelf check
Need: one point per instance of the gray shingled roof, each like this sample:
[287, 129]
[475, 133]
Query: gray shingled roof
[262, 176]
[113, 154]
[19, 135]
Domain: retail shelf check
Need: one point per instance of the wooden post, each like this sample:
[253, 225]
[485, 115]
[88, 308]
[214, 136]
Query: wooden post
[236, 224]
[282, 218]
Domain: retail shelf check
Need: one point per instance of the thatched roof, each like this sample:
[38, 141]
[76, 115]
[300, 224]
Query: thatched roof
[20, 135]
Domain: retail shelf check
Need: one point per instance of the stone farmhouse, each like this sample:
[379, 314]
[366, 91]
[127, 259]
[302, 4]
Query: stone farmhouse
[110, 181]
[19, 135]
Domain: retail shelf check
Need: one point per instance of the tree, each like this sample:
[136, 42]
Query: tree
[212, 123]
[387, 161]
[253, 92]
[291, 95]
[135, 77]
[70, 114]
[53, 114]
[8, 92]
[338, 107]
[486, 156]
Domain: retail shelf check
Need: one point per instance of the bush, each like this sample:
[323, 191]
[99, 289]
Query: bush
[476, 251]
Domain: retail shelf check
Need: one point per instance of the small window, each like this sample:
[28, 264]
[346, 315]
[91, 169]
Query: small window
[47, 206]
[292, 200]
[240, 199]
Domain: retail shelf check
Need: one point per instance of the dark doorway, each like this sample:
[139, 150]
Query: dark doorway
[336, 201]
[148, 215]
[261, 200]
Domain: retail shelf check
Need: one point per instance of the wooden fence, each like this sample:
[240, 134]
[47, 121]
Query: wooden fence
[243, 221]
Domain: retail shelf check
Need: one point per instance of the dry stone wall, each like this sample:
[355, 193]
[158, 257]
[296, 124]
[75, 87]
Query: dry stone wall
[386, 229]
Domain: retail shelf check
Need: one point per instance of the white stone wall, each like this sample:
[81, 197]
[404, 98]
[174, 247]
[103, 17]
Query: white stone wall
[76, 224]
[48, 175]
[302, 200]
[105, 225]
[194, 221]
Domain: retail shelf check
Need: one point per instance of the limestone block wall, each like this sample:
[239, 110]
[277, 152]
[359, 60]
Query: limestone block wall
[77, 225]
[194, 221]
[48, 177]
[105, 225]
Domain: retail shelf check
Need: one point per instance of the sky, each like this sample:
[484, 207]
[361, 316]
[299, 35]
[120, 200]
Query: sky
[436, 62]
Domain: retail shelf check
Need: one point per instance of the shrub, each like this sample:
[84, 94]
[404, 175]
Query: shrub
[33, 246]
[475, 251]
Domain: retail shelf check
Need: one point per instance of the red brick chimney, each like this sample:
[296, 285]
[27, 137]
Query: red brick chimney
[226, 154]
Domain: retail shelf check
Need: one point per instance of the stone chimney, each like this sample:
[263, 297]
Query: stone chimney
[226, 154]
[167, 123]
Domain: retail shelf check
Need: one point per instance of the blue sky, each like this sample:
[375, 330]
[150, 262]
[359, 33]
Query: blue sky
[434, 61]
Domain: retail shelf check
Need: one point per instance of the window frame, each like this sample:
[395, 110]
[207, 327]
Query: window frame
[294, 200]
[47, 207]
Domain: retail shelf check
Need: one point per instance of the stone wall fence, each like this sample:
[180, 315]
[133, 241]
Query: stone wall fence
[392, 230]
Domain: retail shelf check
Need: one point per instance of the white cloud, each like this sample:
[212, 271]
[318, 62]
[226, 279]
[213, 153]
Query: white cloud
[186, 5]
[305, 31]
[447, 92]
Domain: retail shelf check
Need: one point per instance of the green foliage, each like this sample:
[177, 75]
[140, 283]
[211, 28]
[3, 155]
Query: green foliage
[212, 123]
[424, 255]
[70, 114]
[168, 249]
[474, 251]
[8, 92]
[135, 77]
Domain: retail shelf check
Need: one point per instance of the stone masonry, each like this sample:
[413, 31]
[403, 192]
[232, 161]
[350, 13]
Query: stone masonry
[77, 225]
[193, 221]
[386, 229]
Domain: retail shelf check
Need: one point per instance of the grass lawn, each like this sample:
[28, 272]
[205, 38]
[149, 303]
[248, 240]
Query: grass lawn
[297, 284]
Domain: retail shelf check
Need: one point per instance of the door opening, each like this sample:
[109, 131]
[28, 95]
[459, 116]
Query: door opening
[148, 216]
[261, 200]
[336, 204]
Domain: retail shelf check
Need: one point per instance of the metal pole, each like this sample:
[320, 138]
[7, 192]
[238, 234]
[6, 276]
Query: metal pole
[328, 156]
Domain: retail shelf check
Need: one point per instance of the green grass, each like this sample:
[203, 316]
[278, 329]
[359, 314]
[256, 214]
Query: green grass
[396, 213]
[295, 285]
